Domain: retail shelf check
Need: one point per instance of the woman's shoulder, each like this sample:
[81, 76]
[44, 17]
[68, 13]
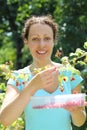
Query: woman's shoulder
[22, 70]
[18, 73]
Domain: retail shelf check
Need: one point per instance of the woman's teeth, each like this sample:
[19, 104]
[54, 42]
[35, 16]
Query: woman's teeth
[41, 52]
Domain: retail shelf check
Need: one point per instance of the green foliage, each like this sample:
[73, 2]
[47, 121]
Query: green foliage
[70, 15]
[72, 19]
[79, 60]
[73, 22]
[7, 51]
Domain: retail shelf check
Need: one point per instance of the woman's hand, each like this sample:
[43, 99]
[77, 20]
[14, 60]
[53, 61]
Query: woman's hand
[45, 79]
[73, 109]
[78, 115]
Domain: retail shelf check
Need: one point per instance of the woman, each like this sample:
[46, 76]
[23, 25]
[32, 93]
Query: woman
[39, 34]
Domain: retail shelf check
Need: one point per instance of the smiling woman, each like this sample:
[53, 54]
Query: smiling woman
[39, 34]
[40, 43]
[40, 39]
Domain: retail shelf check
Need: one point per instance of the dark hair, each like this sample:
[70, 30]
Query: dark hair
[40, 19]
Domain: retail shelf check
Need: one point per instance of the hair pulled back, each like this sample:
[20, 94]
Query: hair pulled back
[42, 20]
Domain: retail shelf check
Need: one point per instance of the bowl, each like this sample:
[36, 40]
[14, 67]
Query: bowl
[58, 101]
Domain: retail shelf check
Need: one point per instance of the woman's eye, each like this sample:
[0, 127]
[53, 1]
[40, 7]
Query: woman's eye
[47, 38]
[35, 39]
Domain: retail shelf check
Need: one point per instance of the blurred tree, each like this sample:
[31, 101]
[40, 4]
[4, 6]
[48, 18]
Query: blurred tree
[70, 15]
[73, 21]
[10, 26]
[12, 17]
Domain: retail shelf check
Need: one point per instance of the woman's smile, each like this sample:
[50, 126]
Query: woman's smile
[40, 42]
[41, 52]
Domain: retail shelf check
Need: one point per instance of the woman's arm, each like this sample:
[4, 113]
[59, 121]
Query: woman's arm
[14, 104]
[78, 114]
[15, 101]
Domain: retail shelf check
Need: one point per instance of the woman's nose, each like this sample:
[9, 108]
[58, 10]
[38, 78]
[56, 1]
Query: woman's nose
[42, 43]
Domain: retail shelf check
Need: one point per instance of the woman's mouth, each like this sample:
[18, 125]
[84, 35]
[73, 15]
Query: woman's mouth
[41, 52]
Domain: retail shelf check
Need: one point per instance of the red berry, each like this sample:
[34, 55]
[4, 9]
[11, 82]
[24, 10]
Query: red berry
[23, 82]
[17, 83]
[61, 89]
[64, 79]
[72, 78]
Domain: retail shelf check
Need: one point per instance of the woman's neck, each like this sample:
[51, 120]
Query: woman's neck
[41, 65]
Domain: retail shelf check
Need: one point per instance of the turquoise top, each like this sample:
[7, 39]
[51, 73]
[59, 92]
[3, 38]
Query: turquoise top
[45, 119]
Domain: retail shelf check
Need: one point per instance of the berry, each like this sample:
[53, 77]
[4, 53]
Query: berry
[61, 89]
[72, 78]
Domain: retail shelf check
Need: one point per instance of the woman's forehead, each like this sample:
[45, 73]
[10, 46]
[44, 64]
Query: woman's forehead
[40, 28]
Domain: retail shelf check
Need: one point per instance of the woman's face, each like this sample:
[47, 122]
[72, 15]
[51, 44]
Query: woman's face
[40, 42]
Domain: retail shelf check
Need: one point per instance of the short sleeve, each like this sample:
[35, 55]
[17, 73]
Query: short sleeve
[75, 80]
[16, 81]
[71, 79]
[19, 79]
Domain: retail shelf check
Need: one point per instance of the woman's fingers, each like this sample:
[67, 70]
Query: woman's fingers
[50, 77]
[46, 78]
